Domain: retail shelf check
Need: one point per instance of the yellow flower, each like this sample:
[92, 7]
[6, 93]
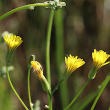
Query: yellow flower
[99, 58]
[72, 63]
[37, 69]
[12, 43]
[39, 72]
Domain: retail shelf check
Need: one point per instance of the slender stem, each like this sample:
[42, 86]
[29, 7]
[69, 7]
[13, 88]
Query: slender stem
[21, 8]
[102, 89]
[29, 95]
[87, 99]
[14, 88]
[60, 57]
[50, 101]
[109, 108]
[48, 46]
[48, 55]
[56, 87]
[78, 94]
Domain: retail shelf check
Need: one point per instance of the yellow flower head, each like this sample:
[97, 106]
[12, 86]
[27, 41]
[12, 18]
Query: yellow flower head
[72, 63]
[39, 72]
[99, 58]
[37, 68]
[12, 41]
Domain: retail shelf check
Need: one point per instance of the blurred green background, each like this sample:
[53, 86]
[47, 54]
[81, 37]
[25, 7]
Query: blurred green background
[84, 25]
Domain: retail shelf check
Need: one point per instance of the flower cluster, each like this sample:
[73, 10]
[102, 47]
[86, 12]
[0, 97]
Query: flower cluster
[99, 60]
[72, 63]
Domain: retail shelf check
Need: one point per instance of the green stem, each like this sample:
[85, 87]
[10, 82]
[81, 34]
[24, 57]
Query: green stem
[29, 95]
[82, 104]
[14, 89]
[102, 89]
[78, 94]
[48, 46]
[56, 87]
[21, 8]
[87, 99]
[48, 55]
[50, 101]
[60, 57]
[109, 108]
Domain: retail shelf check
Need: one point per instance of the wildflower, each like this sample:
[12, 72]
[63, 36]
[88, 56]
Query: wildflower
[12, 42]
[39, 72]
[99, 59]
[37, 69]
[72, 63]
